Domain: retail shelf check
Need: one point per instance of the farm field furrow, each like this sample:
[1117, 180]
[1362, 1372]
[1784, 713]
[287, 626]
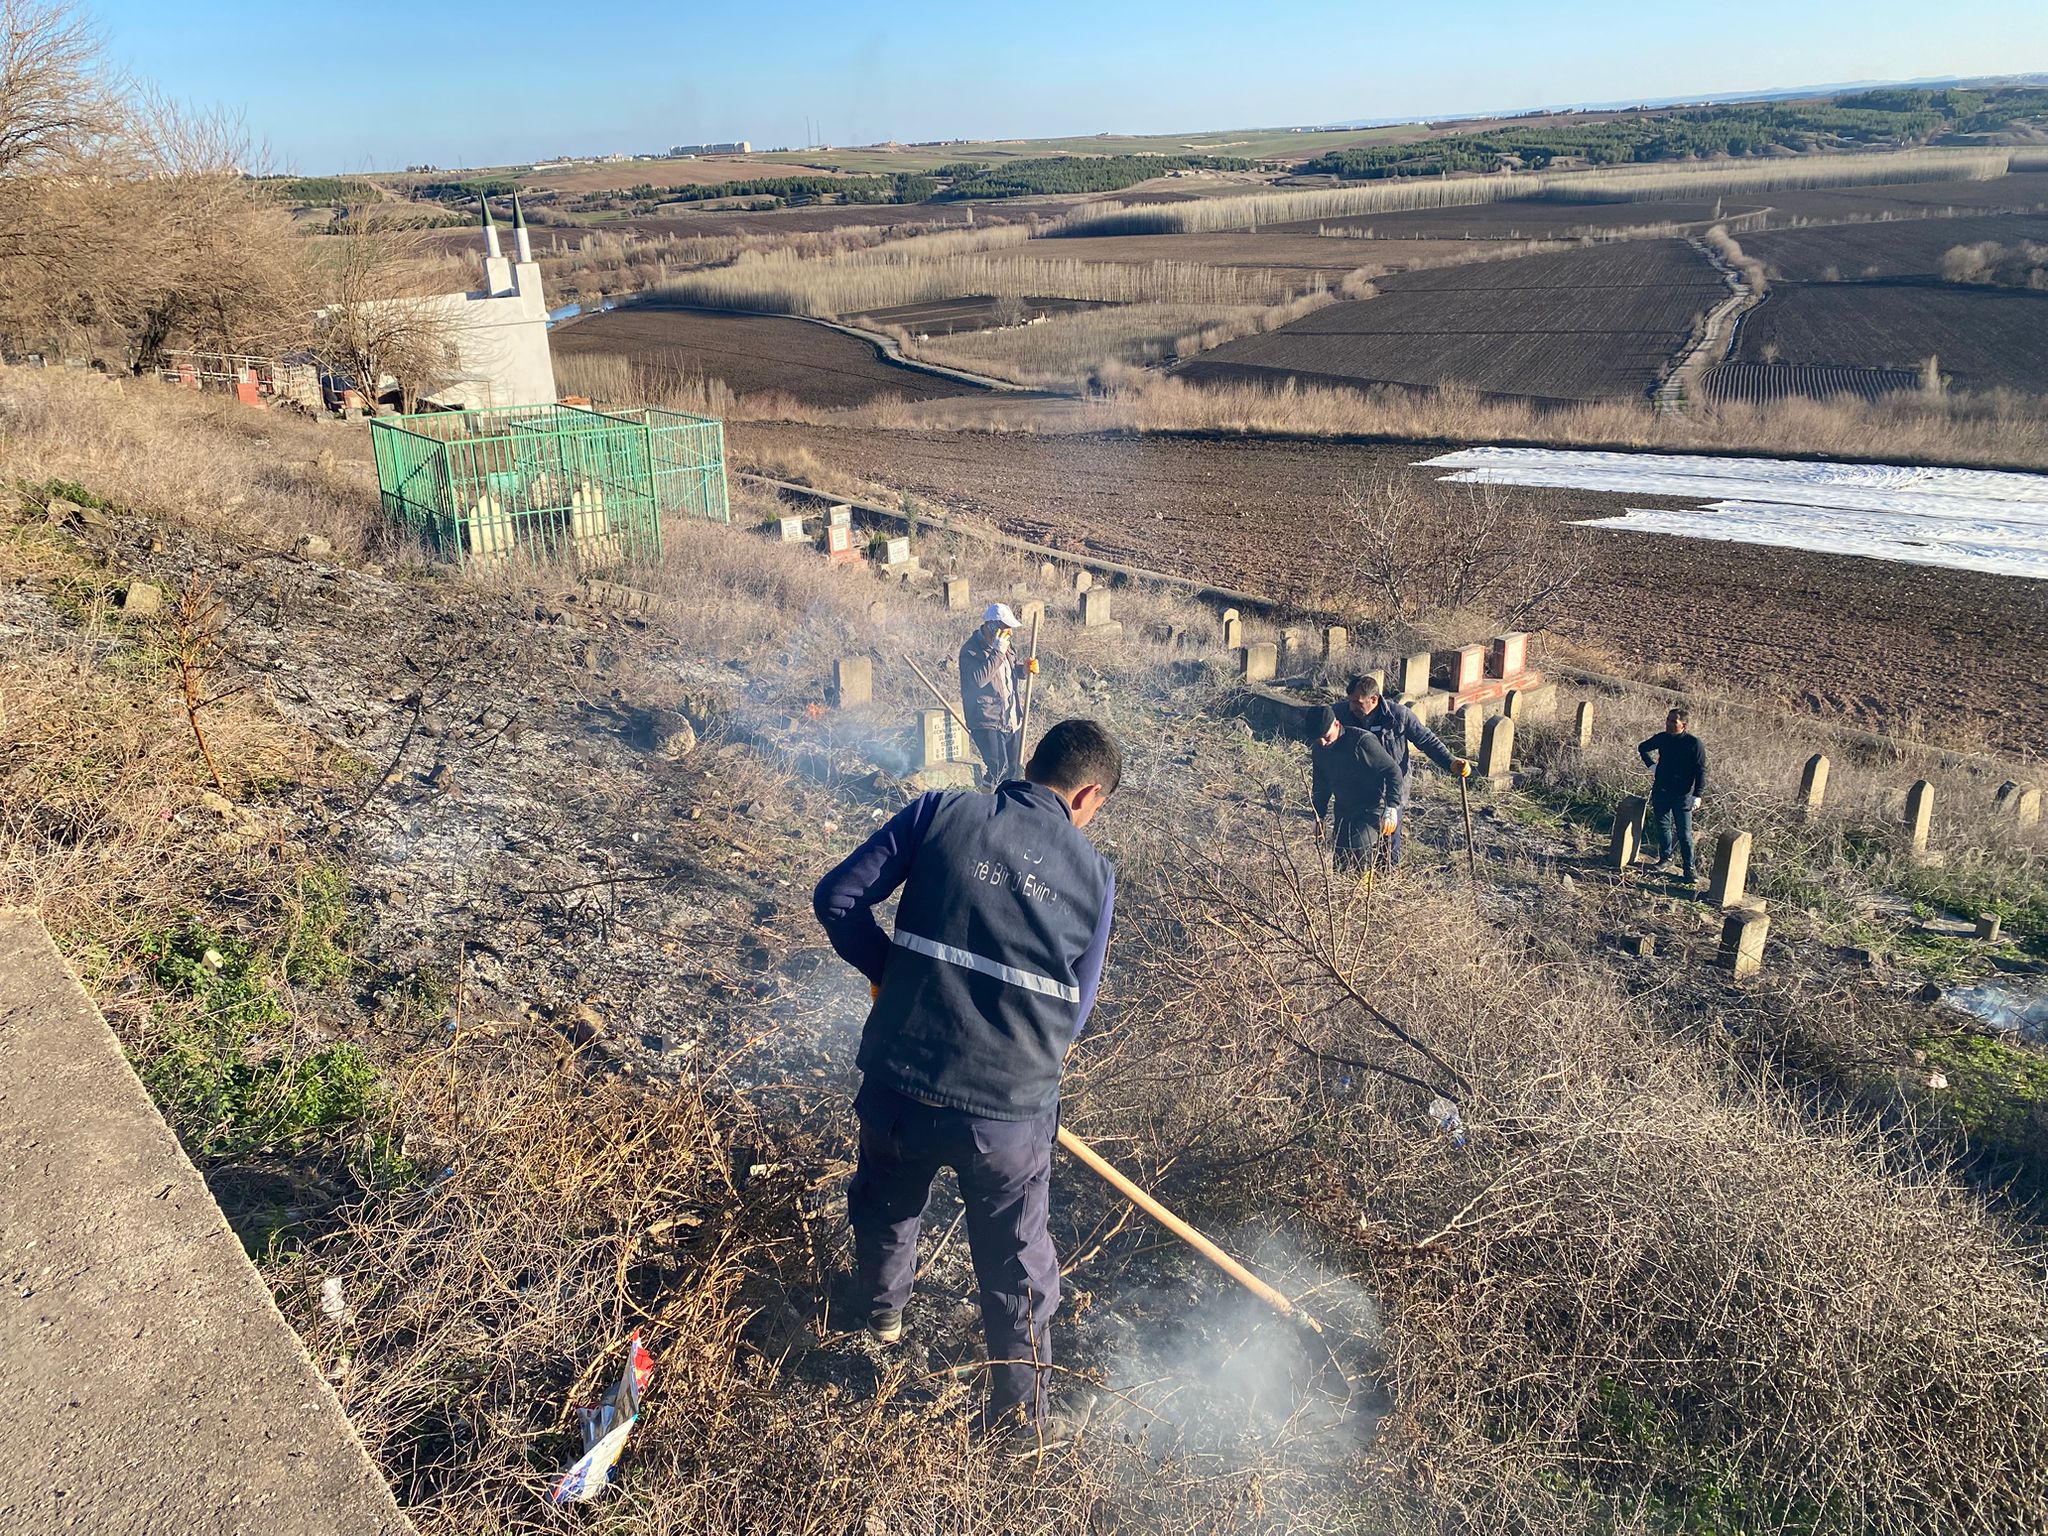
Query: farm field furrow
[1581, 325]
[1764, 383]
[1985, 338]
[1527, 219]
[754, 354]
[1888, 645]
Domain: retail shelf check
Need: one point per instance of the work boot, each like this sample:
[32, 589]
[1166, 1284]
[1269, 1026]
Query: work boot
[885, 1325]
[1023, 1439]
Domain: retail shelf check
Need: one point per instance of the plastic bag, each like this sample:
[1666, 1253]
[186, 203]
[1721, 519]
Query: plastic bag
[605, 1428]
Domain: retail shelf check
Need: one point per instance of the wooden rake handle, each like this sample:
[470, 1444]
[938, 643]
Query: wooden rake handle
[1103, 1169]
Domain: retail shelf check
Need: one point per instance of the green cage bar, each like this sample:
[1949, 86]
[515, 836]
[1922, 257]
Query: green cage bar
[548, 481]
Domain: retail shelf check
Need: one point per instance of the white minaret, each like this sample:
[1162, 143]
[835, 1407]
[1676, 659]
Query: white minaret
[497, 270]
[522, 244]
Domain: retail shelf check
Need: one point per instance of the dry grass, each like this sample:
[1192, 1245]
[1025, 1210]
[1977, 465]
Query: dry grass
[1992, 429]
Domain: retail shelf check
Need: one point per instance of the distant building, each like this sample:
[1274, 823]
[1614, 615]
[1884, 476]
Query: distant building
[500, 332]
[737, 147]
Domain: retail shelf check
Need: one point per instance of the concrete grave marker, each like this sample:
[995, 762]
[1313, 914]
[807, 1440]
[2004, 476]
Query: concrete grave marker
[1455, 671]
[959, 594]
[896, 552]
[2022, 804]
[938, 736]
[1497, 747]
[1919, 814]
[1743, 933]
[1411, 675]
[1233, 631]
[790, 529]
[1261, 662]
[878, 611]
[1515, 705]
[1048, 573]
[1582, 724]
[1030, 614]
[839, 515]
[1989, 925]
[853, 680]
[1813, 782]
[1083, 580]
[1336, 642]
[1731, 870]
[1094, 609]
[1628, 831]
[1471, 726]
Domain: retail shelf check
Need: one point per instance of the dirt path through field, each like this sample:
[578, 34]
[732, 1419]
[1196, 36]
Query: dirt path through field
[1889, 646]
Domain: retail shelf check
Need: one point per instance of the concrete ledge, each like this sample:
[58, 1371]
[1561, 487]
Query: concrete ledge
[150, 1384]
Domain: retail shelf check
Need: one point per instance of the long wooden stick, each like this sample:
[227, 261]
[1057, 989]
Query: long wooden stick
[1107, 1172]
[948, 703]
[1471, 858]
[1030, 677]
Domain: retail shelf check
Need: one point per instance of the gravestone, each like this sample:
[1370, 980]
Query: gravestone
[1048, 573]
[790, 529]
[1919, 814]
[878, 611]
[1083, 580]
[1031, 614]
[853, 680]
[1743, 932]
[1582, 724]
[1989, 925]
[1470, 723]
[1261, 662]
[895, 553]
[1094, 608]
[1497, 747]
[1515, 705]
[839, 515]
[1455, 671]
[1628, 831]
[1731, 870]
[938, 736]
[1411, 675]
[2022, 804]
[1336, 642]
[1233, 631]
[1507, 656]
[959, 596]
[1813, 782]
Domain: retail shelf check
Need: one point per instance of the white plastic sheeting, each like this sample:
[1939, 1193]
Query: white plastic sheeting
[1966, 519]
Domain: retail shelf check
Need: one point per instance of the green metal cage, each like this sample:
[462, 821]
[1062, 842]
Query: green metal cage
[548, 481]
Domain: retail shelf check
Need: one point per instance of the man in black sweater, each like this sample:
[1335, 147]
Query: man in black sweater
[1351, 770]
[1368, 707]
[1681, 778]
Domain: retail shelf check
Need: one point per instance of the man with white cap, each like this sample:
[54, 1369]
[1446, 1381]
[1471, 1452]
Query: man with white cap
[992, 701]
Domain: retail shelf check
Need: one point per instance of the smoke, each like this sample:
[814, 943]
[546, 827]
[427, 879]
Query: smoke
[1210, 1371]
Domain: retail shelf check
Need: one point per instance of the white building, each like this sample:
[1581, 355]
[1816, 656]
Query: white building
[500, 332]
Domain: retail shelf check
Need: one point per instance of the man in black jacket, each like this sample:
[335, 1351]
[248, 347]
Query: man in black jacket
[1395, 726]
[991, 694]
[1680, 780]
[1351, 771]
[1000, 938]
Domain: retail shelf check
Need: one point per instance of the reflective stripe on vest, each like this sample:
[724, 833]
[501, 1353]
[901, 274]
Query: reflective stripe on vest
[967, 959]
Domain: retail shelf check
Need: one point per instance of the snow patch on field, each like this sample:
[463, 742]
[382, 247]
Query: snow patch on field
[1965, 519]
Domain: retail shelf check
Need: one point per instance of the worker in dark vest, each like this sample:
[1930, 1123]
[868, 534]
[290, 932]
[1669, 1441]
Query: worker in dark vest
[1000, 938]
[1680, 779]
[1397, 727]
[991, 695]
[1354, 788]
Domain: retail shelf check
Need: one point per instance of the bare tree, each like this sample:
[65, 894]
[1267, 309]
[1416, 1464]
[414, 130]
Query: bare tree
[386, 314]
[1420, 555]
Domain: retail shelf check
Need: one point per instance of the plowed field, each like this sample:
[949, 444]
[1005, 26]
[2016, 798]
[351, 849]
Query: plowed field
[753, 354]
[1893, 248]
[1986, 338]
[1583, 325]
[1762, 383]
[1892, 646]
[1531, 219]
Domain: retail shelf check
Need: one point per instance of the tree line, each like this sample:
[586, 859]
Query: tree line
[1076, 173]
[1864, 120]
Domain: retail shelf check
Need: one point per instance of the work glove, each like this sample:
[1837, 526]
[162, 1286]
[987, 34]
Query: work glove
[1692, 802]
[874, 990]
[1390, 818]
[1463, 765]
[1003, 641]
[1029, 664]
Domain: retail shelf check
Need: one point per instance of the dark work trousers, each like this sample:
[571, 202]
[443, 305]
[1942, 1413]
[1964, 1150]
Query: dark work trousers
[1674, 826]
[1358, 842]
[999, 749]
[1005, 1168]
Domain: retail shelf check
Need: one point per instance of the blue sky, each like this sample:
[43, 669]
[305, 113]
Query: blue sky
[374, 85]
